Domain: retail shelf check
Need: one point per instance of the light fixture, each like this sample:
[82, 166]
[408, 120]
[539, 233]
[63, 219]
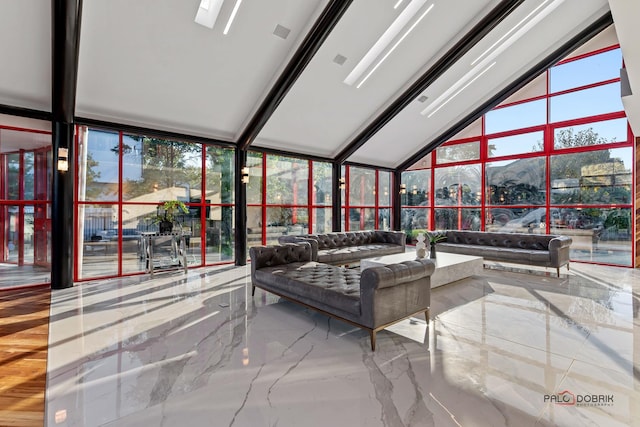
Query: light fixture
[245, 356]
[342, 184]
[232, 17]
[208, 12]
[63, 159]
[520, 32]
[385, 40]
[398, 4]
[490, 54]
[403, 188]
[245, 175]
[438, 103]
[60, 416]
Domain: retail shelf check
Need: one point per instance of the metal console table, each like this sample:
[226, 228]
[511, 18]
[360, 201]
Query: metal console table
[164, 251]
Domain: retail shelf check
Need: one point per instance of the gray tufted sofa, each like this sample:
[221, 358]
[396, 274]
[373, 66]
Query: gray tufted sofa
[372, 299]
[545, 250]
[350, 247]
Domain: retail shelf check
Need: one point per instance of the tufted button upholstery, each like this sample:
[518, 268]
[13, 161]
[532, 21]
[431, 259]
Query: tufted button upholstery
[504, 240]
[534, 249]
[345, 248]
[378, 296]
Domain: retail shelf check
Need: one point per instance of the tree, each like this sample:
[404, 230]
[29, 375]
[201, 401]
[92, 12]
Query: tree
[569, 166]
[165, 164]
[581, 177]
[93, 188]
[221, 162]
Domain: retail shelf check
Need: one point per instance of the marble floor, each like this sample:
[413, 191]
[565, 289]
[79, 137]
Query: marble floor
[509, 347]
[12, 275]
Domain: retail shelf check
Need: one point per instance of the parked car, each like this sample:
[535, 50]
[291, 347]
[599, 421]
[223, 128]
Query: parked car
[112, 235]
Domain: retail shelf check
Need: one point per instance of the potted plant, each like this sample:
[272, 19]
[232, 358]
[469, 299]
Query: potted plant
[434, 237]
[167, 215]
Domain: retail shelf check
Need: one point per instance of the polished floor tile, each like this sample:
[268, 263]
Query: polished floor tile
[503, 348]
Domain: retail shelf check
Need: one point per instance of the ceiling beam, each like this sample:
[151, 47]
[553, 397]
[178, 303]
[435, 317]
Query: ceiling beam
[25, 112]
[308, 48]
[466, 43]
[585, 35]
[368, 166]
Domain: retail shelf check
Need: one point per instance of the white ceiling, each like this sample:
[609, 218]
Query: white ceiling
[625, 14]
[146, 63]
[321, 114]
[25, 52]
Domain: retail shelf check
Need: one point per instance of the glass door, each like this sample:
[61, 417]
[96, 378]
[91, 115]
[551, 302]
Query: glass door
[25, 221]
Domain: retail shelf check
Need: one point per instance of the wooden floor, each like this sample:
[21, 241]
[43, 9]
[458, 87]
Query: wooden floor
[24, 331]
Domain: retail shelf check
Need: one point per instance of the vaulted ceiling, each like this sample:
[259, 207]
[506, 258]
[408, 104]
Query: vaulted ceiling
[283, 76]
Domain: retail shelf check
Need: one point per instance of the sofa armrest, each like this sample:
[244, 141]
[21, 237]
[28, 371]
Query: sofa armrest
[300, 239]
[395, 237]
[269, 256]
[560, 242]
[395, 274]
[559, 248]
[392, 292]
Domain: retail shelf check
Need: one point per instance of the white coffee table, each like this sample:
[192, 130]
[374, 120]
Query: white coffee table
[449, 267]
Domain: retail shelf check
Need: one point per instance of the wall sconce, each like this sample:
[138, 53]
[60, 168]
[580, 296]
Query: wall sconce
[415, 189]
[245, 356]
[63, 159]
[403, 188]
[342, 184]
[245, 175]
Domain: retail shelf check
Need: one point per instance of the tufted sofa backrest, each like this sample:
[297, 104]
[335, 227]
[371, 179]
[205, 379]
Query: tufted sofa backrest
[339, 240]
[503, 240]
[356, 238]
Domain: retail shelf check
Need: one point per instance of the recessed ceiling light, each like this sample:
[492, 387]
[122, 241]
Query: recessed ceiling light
[385, 40]
[282, 32]
[520, 31]
[232, 17]
[436, 105]
[208, 12]
[394, 46]
[496, 49]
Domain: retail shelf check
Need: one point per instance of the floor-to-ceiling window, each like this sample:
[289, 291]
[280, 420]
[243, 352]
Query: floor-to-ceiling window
[123, 180]
[25, 206]
[366, 199]
[286, 196]
[555, 158]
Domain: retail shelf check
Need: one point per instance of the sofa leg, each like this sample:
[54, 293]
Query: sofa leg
[426, 315]
[567, 266]
[372, 337]
[558, 271]
[253, 290]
